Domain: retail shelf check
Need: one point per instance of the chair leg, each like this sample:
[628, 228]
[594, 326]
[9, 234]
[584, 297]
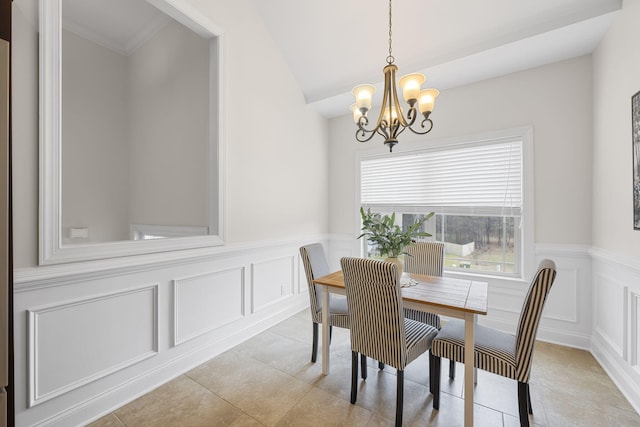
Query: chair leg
[399, 398]
[314, 349]
[452, 369]
[380, 366]
[522, 404]
[354, 376]
[529, 399]
[436, 382]
[363, 368]
[431, 373]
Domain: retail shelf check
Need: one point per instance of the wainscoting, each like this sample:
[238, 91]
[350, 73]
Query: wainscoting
[615, 339]
[92, 336]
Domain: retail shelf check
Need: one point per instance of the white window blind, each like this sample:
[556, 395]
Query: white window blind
[487, 177]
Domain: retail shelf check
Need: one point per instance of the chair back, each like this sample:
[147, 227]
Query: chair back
[530, 317]
[315, 265]
[375, 310]
[425, 258]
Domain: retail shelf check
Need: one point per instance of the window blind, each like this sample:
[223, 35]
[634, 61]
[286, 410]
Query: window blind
[488, 177]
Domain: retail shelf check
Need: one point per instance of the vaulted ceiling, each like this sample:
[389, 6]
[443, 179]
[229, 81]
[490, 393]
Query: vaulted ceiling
[333, 45]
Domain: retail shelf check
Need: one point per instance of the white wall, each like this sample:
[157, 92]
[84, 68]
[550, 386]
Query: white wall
[132, 323]
[615, 70]
[616, 252]
[95, 135]
[24, 57]
[169, 151]
[277, 171]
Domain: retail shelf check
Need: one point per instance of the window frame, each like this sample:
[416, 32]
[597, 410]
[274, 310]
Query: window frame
[525, 250]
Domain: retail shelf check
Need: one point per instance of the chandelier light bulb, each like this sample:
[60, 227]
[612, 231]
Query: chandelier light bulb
[411, 85]
[364, 96]
[427, 100]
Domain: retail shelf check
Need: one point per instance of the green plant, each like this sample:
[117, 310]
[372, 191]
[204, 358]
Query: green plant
[390, 238]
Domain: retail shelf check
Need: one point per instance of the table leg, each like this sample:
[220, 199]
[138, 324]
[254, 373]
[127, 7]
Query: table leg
[325, 330]
[469, 334]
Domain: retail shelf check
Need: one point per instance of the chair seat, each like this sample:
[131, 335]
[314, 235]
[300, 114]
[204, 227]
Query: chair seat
[338, 312]
[495, 351]
[419, 337]
[338, 305]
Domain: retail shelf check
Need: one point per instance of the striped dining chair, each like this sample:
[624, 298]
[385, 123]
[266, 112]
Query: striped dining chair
[378, 327]
[495, 351]
[426, 258]
[315, 265]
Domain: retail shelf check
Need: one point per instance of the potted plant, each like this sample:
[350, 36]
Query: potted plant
[391, 239]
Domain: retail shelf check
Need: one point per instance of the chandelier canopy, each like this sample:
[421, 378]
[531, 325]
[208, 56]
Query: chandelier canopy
[392, 121]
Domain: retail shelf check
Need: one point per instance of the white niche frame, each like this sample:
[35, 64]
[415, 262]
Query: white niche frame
[51, 250]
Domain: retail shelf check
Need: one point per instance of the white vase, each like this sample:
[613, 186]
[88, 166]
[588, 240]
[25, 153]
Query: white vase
[397, 262]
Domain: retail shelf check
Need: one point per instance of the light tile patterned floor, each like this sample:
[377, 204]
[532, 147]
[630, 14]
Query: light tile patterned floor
[270, 381]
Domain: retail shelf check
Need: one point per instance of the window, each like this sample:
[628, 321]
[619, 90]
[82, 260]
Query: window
[476, 189]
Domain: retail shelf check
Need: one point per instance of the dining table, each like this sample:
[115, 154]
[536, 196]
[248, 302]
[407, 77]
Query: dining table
[451, 297]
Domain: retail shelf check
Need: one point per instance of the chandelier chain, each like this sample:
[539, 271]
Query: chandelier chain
[390, 58]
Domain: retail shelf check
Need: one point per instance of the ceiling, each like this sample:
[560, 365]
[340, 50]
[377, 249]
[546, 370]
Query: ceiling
[333, 45]
[120, 25]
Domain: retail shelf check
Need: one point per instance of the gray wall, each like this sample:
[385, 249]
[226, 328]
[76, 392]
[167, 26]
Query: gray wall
[616, 67]
[554, 99]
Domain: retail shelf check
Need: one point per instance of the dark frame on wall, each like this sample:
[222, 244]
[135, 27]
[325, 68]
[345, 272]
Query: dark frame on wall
[635, 132]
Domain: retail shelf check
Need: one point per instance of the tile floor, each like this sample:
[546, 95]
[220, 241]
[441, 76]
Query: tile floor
[270, 381]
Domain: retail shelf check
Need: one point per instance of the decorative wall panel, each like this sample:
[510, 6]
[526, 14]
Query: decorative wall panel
[71, 343]
[610, 293]
[271, 281]
[205, 302]
[634, 299]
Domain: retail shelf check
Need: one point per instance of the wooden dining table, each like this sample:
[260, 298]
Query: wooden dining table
[459, 298]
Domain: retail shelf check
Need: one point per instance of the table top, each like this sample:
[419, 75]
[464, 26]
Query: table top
[459, 294]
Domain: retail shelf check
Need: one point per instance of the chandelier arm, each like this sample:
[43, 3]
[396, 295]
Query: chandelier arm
[382, 131]
[361, 133]
[417, 132]
[394, 102]
[411, 116]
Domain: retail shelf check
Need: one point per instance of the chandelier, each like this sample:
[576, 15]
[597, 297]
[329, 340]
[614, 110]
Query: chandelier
[392, 121]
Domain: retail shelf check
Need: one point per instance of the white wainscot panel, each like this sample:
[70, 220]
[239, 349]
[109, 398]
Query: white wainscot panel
[634, 301]
[562, 301]
[206, 302]
[74, 343]
[271, 281]
[610, 299]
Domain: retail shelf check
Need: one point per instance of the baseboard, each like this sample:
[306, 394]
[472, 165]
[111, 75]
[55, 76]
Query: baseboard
[617, 371]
